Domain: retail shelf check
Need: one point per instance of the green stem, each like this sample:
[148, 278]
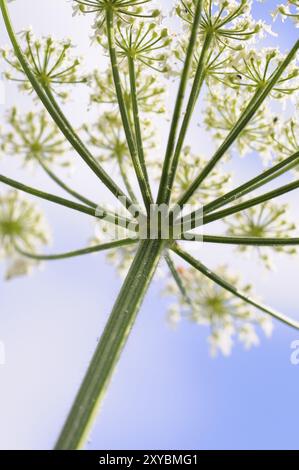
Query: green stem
[76, 253]
[162, 195]
[99, 213]
[113, 340]
[137, 126]
[125, 178]
[245, 118]
[64, 186]
[254, 241]
[58, 117]
[177, 278]
[255, 183]
[199, 217]
[207, 219]
[195, 92]
[233, 290]
[143, 183]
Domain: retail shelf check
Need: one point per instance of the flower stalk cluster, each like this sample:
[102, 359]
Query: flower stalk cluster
[225, 81]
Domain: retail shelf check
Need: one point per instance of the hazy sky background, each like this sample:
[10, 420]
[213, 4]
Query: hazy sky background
[167, 392]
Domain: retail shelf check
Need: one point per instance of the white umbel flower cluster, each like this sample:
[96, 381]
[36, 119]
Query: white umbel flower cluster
[22, 227]
[51, 62]
[268, 220]
[290, 9]
[33, 137]
[126, 11]
[227, 317]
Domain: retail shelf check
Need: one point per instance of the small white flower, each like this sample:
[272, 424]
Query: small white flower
[174, 316]
[247, 335]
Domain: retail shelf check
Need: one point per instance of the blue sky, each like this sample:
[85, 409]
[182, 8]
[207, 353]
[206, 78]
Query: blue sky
[167, 391]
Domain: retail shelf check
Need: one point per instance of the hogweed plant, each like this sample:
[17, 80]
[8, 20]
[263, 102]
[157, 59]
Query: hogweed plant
[222, 72]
